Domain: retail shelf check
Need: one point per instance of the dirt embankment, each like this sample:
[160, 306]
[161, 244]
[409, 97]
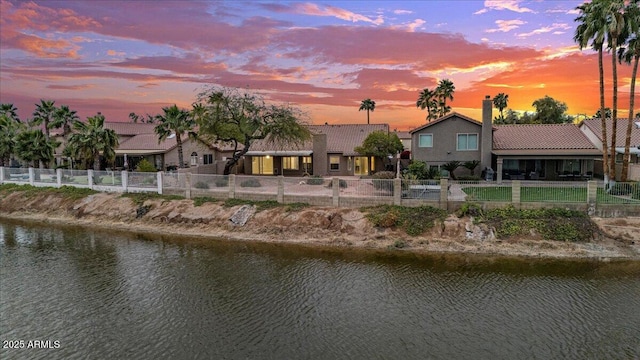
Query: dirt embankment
[342, 227]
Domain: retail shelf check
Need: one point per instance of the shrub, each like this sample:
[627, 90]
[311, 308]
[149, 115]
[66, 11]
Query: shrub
[315, 180]
[413, 220]
[250, 183]
[451, 167]
[145, 166]
[553, 224]
[469, 178]
[469, 209]
[381, 180]
[201, 185]
[417, 169]
[222, 181]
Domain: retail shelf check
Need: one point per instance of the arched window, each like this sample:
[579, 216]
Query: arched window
[194, 158]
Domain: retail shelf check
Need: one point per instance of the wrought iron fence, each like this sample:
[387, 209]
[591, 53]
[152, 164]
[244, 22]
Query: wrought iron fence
[478, 190]
[421, 189]
[366, 187]
[619, 193]
[553, 191]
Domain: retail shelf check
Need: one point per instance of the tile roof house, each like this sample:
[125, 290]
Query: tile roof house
[556, 152]
[592, 128]
[551, 151]
[331, 152]
[139, 140]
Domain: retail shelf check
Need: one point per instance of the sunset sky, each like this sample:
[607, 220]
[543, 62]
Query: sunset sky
[324, 57]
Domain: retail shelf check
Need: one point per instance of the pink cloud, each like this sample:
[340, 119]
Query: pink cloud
[188, 64]
[315, 10]
[424, 51]
[69, 87]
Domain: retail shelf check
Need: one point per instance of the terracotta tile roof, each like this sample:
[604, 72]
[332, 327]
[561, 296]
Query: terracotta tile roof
[595, 125]
[344, 138]
[540, 137]
[341, 138]
[130, 129]
[147, 142]
[444, 118]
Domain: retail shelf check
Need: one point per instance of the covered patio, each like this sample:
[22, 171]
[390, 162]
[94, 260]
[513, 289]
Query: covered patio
[558, 152]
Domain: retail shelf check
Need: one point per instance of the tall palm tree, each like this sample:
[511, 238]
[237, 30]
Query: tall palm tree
[617, 26]
[91, 139]
[174, 121]
[427, 100]
[33, 147]
[64, 118]
[9, 129]
[444, 91]
[592, 28]
[368, 105]
[44, 114]
[500, 102]
[629, 54]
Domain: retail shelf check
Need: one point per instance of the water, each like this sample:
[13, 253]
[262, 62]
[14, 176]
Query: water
[119, 296]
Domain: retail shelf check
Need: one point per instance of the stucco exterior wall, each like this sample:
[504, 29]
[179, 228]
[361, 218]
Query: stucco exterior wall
[188, 147]
[445, 142]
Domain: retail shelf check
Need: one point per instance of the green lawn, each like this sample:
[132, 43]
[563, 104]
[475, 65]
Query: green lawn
[494, 193]
[542, 194]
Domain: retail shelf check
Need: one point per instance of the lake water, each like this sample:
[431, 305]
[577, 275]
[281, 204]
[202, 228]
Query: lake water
[104, 295]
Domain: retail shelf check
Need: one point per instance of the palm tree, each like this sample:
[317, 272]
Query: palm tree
[629, 54]
[91, 139]
[451, 166]
[368, 105]
[174, 121]
[471, 166]
[44, 114]
[9, 129]
[617, 25]
[10, 111]
[33, 147]
[500, 102]
[427, 100]
[64, 118]
[593, 28]
[444, 91]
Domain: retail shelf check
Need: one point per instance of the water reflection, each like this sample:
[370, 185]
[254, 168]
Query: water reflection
[107, 295]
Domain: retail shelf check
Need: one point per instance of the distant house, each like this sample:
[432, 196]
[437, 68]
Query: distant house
[405, 138]
[592, 128]
[139, 141]
[329, 153]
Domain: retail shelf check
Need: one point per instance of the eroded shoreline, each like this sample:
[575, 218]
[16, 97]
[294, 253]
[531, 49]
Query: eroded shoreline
[340, 228]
